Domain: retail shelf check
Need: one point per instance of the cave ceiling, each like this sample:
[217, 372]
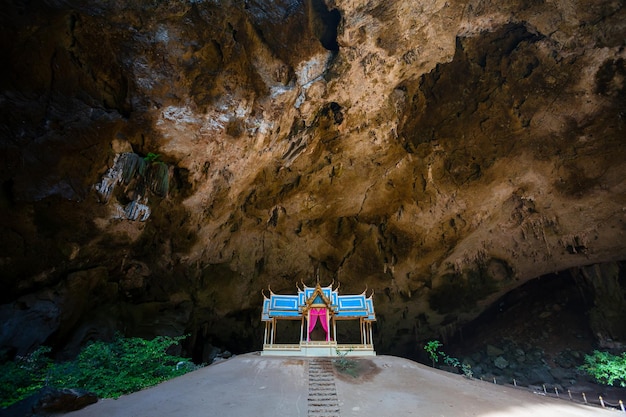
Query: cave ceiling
[438, 153]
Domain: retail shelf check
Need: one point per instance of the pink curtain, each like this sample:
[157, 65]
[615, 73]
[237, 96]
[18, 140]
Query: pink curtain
[315, 314]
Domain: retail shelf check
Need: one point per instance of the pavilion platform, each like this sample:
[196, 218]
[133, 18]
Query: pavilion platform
[318, 349]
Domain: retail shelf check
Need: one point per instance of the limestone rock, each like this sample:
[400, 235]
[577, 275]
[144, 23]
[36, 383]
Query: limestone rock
[500, 362]
[440, 154]
[50, 401]
[493, 351]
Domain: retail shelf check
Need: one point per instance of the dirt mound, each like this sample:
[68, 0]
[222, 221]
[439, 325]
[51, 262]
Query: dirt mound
[269, 386]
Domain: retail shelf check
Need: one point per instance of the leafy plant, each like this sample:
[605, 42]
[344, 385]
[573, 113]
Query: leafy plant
[606, 368]
[432, 347]
[466, 368]
[108, 369]
[24, 376]
[151, 157]
[345, 364]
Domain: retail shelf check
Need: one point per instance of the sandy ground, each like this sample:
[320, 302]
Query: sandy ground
[253, 385]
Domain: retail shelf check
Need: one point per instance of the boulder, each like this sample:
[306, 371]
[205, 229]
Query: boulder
[500, 362]
[50, 401]
[539, 376]
[493, 351]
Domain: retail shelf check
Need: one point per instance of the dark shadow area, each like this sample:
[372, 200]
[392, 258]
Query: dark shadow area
[348, 332]
[536, 336]
[325, 23]
[288, 332]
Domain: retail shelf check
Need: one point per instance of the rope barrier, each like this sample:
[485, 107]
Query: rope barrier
[619, 404]
[544, 391]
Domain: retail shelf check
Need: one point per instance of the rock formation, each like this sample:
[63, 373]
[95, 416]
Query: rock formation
[440, 153]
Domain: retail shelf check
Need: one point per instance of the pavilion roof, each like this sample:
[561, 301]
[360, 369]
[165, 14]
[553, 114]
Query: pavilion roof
[341, 306]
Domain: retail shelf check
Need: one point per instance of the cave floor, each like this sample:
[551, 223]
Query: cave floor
[252, 385]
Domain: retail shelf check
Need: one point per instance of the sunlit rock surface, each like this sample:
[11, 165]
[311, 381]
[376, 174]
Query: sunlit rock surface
[439, 153]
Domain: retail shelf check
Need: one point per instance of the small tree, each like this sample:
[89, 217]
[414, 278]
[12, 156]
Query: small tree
[432, 347]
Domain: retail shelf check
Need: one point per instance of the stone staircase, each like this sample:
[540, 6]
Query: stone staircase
[322, 401]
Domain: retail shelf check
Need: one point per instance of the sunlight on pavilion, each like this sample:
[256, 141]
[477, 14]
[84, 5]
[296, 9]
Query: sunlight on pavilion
[318, 307]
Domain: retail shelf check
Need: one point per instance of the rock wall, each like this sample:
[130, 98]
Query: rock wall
[440, 153]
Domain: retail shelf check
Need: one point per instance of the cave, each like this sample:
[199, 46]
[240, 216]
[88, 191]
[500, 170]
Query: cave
[539, 333]
[548, 317]
[325, 23]
[162, 164]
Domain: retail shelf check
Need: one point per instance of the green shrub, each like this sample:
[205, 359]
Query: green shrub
[432, 347]
[24, 376]
[344, 364]
[606, 368]
[108, 369]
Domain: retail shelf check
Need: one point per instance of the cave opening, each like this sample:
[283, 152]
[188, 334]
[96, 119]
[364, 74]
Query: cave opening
[325, 23]
[537, 334]
[528, 310]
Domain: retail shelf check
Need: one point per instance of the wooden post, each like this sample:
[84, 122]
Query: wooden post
[308, 323]
[273, 331]
[362, 333]
[327, 325]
